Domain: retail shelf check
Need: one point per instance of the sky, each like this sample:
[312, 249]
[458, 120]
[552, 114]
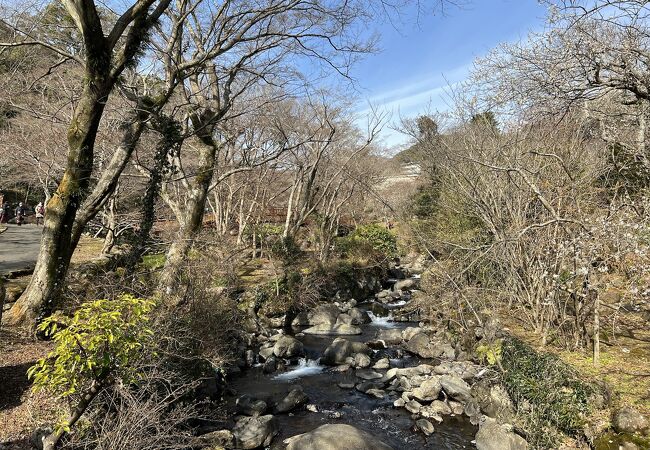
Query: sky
[418, 61]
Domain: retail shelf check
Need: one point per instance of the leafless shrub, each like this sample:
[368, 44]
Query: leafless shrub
[154, 413]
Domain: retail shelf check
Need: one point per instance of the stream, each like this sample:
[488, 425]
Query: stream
[336, 405]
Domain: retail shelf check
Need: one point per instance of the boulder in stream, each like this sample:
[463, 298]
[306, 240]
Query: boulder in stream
[425, 426]
[456, 388]
[420, 344]
[336, 437]
[428, 390]
[359, 316]
[367, 374]
[255, 432]
[383, 363]
[294, 399]
[323, 315]
[249, 406]
[340, 349]
[288, 347]
[361, 361]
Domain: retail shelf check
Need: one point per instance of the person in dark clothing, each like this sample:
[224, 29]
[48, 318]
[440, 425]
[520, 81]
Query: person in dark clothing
[20, 214]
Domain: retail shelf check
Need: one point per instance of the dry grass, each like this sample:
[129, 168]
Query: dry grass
[88, 249]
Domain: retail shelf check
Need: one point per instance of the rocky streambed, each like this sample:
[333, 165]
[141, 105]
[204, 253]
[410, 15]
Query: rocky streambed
[361, 375]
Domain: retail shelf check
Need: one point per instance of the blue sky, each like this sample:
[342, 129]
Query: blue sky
[418, 61]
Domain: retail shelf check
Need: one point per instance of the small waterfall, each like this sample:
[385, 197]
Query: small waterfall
[396, 304]
[304, 368]
[384, 322]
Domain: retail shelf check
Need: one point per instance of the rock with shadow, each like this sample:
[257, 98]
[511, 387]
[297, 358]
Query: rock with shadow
[336, 437]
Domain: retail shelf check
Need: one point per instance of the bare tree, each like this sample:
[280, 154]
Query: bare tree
[104, 59]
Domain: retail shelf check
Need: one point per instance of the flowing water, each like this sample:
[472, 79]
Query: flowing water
[336, 405]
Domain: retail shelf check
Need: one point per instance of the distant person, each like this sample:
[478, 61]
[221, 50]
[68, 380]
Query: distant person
[6, 213]
[40, 213]
[20, 214]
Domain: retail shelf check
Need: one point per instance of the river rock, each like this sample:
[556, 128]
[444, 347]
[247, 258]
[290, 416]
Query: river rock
[366, 374]
[455, 387]
[493, 436]
[405, 285]
[473, 411]
[333, 330]
[408, 372]
[270, 365]
[428, 390]
[629, 420]
[266, 352]
[288, 347]
[361, 361]
[346, 385]
[409, 332]
[439, 407]
[382, 364]
[340, 349]
[249, 406]
[425, 426]
[335, 437]
[390, 337]
[420, 345]
[463, 369]
[218, 439]
[383, 294]
[368, 385]
[255, 432]
[377, 393]
[323, 315]
[457, 408]
[413, 406]
[301, 320]
[295, 398]
[359, 316]
[494, 401]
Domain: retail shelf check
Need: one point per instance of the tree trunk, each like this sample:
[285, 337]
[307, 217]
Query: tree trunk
[57, 244]
[111, 224]
[596, 329]
[190, 222]
[50, 442]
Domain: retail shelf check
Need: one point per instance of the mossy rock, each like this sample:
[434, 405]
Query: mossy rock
[616, 441]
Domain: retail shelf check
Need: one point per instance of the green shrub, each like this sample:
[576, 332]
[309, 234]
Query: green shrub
[424, 202]
[92, 349]
[547, 390]
[372, 238]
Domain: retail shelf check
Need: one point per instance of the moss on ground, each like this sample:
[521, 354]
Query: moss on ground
[153, 262]
[548, 393]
